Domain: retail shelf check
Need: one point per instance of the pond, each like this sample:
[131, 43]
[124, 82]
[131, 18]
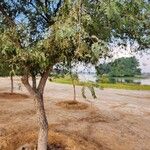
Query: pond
[92, 77]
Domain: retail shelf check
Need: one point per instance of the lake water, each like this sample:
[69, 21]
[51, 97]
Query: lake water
[93, 78]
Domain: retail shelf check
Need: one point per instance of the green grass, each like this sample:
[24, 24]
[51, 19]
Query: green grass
[127, 86]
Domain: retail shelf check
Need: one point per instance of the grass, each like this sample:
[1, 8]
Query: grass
[127, 86]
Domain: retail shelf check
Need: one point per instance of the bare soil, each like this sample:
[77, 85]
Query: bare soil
[116, 120]
[7, 95]
[75, 105]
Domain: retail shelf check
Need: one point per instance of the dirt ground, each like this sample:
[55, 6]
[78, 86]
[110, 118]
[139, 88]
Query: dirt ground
[116, 120]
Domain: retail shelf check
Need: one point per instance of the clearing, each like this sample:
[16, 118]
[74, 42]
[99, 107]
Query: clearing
[116, 120]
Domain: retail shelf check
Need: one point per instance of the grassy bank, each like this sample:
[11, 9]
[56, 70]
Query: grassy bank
[127, 86]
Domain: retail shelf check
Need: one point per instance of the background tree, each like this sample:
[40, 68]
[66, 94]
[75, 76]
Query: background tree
[7, 69]
[121, 67]
[102, 69]
[125, 67]
[40, 34]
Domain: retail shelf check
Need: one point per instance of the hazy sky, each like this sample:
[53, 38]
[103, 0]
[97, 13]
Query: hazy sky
[144, 60]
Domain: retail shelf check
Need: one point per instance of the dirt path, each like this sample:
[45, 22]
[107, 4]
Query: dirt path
[117, 120]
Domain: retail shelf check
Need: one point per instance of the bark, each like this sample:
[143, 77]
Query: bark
[12, 83]
[42, 122]
[34, 82]
[43, 80]
[37, 94]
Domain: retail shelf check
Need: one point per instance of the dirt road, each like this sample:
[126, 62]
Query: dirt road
[116, 120]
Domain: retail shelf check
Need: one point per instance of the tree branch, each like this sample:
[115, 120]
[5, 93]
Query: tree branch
[43, 80]
[34, 82]
[25, 81]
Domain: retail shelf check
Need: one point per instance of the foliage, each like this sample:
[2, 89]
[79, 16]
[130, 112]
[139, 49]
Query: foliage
[103, 69]
[4, 70]
[91, 88]
[39, 34]
[104, 79]
[121, 67]
[117, 20]
[125, 67]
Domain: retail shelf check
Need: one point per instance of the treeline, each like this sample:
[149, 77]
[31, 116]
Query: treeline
[121, 67]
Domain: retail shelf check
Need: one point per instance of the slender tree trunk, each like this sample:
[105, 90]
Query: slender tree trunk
[74, 87]
[12, 83]
[42, 122]
[74, 92]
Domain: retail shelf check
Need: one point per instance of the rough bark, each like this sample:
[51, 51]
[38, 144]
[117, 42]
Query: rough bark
[42, 122]
[12, 83]
[37, 94]
[43, 80]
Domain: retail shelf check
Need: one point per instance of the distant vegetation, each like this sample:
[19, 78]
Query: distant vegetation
[125, 68]
[127, 86]
[121, 67]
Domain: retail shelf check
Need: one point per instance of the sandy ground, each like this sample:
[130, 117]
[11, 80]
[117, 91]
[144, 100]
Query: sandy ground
[116, 120]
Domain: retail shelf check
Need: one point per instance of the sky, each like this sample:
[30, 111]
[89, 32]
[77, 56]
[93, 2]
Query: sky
[144, 62]
[143, 58]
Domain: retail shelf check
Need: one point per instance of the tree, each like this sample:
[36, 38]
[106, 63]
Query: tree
[104, 68]
[7, 70]
[125, 67]
[38, 34]
[65, 69]
[121, 67]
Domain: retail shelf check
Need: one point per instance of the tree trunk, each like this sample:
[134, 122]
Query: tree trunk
[74, 92]
[74, 87]
[12, 83]
[42, 122]
[37, 93]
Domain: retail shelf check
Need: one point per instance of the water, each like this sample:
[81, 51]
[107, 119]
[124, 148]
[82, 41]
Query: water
[92, 77]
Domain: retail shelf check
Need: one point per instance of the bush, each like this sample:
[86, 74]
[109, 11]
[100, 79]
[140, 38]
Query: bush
[104, 79]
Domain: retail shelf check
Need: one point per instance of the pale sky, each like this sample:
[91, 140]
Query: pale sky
[144, 60]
